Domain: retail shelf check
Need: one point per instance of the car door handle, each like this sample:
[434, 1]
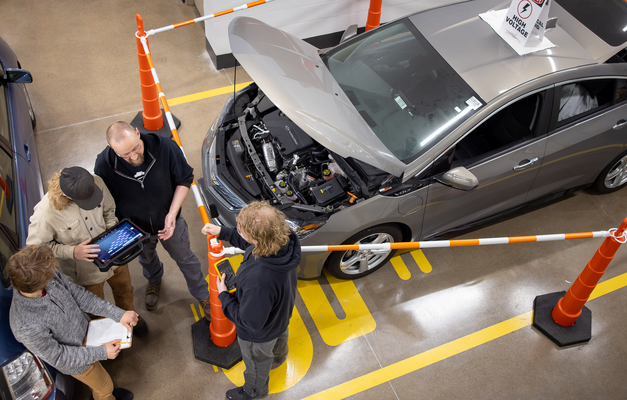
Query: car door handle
[526, 163]
[619, 124]
[27, 151]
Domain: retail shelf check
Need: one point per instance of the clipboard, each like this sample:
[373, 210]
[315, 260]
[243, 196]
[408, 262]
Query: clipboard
[104, 330]
[119, 244]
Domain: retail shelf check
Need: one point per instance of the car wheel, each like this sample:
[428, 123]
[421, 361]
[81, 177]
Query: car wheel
[614, 176]
[354, 264]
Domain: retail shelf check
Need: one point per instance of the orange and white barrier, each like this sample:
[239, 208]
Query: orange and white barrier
[209, 16]
[449, 243]
[171, 124]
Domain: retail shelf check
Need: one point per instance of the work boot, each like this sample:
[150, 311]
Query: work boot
[119, 394]
[239, 393]
[206, 307]
[152, 296]
[122, 394]
[141, 329]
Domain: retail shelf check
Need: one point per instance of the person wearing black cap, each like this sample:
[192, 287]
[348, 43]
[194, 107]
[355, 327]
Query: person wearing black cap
[77, 208]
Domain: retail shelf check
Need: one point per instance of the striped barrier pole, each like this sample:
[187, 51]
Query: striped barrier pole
[445, 243]
[222, 330]
[209, 16]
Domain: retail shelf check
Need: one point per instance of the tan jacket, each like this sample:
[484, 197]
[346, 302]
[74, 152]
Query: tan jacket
[63, 230]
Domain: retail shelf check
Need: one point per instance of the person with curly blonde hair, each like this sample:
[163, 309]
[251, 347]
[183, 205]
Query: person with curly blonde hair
[266, 290]
[77, 208]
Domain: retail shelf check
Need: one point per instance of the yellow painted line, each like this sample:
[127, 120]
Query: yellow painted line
[421, 260]
[299, 359]
[215, 369]
[195, 314]
[447, 350]
[333, 330]
[206, 94]
[400, 267]
[202, 311]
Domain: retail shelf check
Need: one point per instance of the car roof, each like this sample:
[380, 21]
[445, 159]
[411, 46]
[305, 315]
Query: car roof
[483, 59]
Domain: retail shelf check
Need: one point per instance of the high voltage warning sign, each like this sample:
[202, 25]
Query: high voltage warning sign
[526, 18]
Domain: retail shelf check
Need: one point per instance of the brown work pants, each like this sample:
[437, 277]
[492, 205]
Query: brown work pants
[121, 288]
[98, 381]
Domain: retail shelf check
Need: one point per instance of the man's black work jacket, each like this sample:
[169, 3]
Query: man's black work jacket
[146, 200]
[266, 290]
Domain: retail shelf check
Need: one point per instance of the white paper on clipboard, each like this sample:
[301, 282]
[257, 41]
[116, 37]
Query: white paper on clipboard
[104, 330]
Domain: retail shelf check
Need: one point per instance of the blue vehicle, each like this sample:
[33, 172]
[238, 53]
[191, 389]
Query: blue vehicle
[24, 376]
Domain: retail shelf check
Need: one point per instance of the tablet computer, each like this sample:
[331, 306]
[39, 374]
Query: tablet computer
[119, 244]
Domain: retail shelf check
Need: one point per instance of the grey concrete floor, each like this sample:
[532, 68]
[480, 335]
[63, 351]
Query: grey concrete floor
[83, 59]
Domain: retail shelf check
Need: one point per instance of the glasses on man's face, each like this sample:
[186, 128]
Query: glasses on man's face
[134, 151]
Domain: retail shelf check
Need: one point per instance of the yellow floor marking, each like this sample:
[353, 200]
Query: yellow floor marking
[421, 260]
[202, 312]
[215, 369]
[206, 94]
[447, 350]
[195, 314]
[294, 368]
[400, 267]
[335, 331]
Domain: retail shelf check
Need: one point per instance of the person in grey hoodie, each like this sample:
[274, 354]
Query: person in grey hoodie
[47, 315]
[266, 290]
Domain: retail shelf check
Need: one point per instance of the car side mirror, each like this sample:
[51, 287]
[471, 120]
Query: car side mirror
[14, 75]
[349, 33]
[459, 178]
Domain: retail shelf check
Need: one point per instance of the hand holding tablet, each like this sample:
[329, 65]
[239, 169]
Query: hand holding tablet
[115, 245]
[85, 251]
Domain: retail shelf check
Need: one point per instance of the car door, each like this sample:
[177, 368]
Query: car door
[18, 141]
[587, 131]
[504, 152]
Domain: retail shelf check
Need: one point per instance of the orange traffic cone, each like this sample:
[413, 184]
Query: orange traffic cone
[152, 115]
[222, 330]
[562, 316]
[215, 343]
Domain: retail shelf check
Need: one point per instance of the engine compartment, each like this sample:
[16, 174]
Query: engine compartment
[273, 159]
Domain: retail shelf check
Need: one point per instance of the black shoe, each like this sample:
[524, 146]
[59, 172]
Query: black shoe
[141, 329]
[206, 307]
[152, 296]
[122, 394]
[239, 393]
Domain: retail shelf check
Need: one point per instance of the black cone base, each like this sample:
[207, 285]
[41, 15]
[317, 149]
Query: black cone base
[165, 131]
[205, 350]
[581, 332]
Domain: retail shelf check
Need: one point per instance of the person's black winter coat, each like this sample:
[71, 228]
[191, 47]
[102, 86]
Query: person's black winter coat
[266, 290]
[146, 200]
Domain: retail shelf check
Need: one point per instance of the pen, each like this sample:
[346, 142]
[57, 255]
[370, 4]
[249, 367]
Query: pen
[118, 343]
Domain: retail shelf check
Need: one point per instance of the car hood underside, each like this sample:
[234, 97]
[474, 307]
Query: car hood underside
[291, 73]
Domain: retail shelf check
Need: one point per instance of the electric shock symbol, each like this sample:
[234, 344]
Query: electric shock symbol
[524, 9]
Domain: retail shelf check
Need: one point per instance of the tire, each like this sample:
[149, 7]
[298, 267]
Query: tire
[346, 264]
[614, 176]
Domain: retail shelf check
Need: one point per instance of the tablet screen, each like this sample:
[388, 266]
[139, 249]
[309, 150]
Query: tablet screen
[117, 240]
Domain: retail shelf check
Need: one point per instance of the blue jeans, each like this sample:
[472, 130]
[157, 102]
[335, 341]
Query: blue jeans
[179, 249]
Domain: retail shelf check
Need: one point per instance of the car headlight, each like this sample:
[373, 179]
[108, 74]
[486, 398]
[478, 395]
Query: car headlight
[234, 202]
[27, 378]
[303, 230]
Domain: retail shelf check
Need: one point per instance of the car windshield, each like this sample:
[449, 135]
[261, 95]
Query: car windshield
[402, 87]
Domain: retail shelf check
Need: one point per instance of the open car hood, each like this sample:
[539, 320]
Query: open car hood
[291, 73]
